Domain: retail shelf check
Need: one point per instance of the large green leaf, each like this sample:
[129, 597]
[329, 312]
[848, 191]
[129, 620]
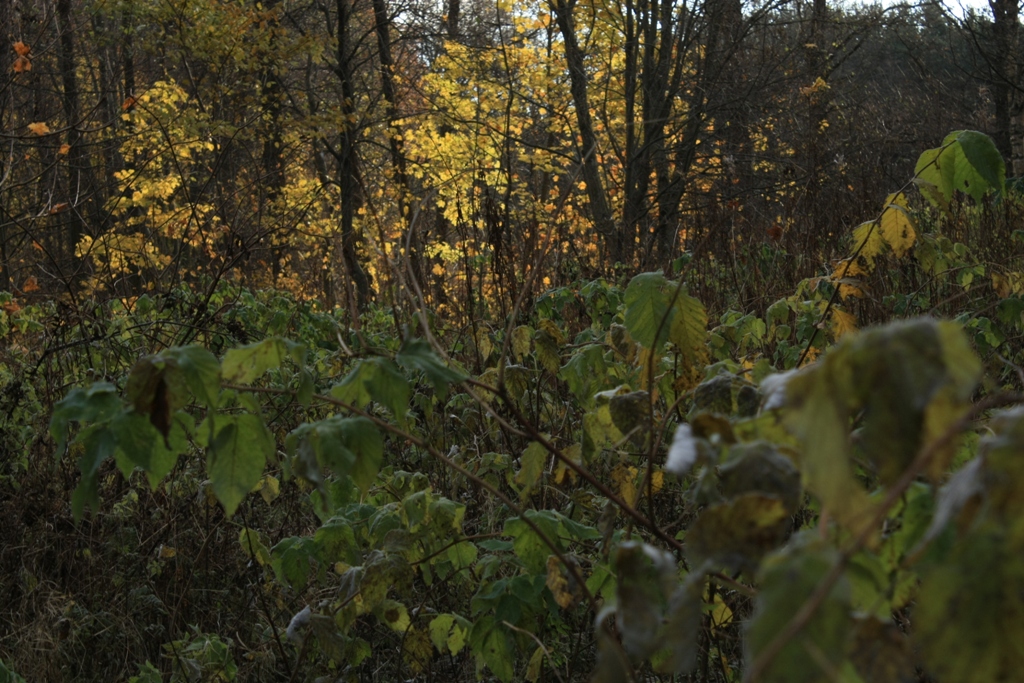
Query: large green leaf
[350, 446]
[788, 578]
[647, 309]
[237, 456]
[970, 615]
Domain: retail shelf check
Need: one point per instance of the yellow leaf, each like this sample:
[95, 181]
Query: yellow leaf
[657, 481]
[38, 128]
[842, 322]
[868, 242]
[558, 583]
[269, 488]
[1001, 285]
[896, 227]
[624, 478]
[533, 668]
[167, 552]
[573, 453]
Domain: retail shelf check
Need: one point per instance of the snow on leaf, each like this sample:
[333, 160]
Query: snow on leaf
[682, 455]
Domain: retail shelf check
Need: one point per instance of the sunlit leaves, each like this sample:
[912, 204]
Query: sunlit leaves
[658, 311]
[895, 225]
[245, 364]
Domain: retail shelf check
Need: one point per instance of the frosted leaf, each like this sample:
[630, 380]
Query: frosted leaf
[683, 453]
[773, 388]
[298, 624]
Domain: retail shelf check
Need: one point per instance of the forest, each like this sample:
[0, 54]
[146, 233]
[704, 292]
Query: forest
[470, 340]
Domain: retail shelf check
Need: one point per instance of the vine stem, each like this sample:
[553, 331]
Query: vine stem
[810, 607]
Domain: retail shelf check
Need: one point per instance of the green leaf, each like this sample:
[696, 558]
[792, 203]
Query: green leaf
[646, 577]
[968, 161]
[337, 542]
[984, 158]
[292, 560]
[689, 329]
[448, 632]
[529, 546]
[350, 446]
[758, 467]
[376, 379]
[253, 547]
[201, 370]
[98, 444]
[969, 616]
[491, 647]
[586, 372]
[139, 444]
[531, 468]
[647, 309]
[788, 578]
[417, 354]
[237, 456]
[97, 403]
[247, 363]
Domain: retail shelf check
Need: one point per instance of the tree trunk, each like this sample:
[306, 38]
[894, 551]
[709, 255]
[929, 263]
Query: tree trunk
[600, 210]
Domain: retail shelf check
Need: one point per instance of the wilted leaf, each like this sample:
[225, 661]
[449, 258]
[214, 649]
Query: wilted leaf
[39, 128]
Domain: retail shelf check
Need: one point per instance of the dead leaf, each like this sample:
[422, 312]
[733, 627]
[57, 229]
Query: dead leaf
[128, 103]
[64, 149]
[10, 307]
[22, 64]
[39, 128]
[22, 49]
[57, 208]
[30, 285]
